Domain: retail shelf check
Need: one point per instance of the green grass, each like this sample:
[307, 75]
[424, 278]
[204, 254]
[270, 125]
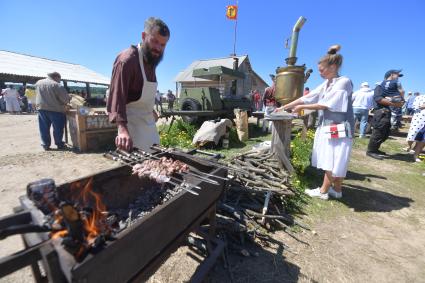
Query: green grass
[401, 178]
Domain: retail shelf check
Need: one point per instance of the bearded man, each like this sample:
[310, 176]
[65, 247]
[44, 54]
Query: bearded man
[133, 87]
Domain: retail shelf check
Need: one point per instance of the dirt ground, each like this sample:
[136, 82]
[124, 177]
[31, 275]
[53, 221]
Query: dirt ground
[374, 234]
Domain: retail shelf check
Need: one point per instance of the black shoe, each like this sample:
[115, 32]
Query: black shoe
[381, 152]
[62, 147]
[46, 148]
[374, 155]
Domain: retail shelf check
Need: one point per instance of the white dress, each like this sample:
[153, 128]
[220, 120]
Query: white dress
[418, 119]
[11, 99]
[331, 154]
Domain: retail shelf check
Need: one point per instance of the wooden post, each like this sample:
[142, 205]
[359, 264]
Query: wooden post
[81, 130]
[281, 139]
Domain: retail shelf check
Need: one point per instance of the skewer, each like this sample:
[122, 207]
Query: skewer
[216, 164]
[144, 155]
[130, 160]
[182, 185]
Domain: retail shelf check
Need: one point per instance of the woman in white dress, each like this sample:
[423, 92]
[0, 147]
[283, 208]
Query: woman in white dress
[11, 97]
[418, 120]
[333, 101]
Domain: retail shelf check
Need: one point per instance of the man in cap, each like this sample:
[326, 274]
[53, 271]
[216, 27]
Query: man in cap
[388, 93]
[51, 99]
[133, 88]
[362, 103]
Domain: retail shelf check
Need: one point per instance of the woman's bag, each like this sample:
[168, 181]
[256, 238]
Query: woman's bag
[337, 131]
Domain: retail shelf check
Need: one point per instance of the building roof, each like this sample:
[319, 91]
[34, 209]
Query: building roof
[186, 75]
[16, 67]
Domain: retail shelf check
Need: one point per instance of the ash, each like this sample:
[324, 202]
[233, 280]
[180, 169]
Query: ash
[143, 205]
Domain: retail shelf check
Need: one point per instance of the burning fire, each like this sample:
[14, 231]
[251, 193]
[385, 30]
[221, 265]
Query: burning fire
[59, 234]
[92, 220]
[94, 224]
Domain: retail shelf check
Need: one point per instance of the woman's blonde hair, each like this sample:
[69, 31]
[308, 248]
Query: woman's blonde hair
[332, 57]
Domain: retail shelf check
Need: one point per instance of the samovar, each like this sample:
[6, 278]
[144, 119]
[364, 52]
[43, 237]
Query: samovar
[290, 79]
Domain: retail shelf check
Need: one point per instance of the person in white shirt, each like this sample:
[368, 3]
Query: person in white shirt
[158, 101]
[362, 103]
[332, 99]
[11, 97]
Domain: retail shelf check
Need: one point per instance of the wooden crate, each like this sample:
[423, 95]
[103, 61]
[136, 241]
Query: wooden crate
[90, 132]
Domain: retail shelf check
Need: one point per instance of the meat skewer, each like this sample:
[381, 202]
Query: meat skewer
[215, 163]
[143, 154]
[156, 172]
[184, 185]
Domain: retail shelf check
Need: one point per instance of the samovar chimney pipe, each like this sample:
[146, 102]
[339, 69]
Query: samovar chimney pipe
[292, 59]
[290, 79]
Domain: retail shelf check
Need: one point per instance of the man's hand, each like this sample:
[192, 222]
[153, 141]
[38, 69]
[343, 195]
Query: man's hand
[398, 104]
[123, 140]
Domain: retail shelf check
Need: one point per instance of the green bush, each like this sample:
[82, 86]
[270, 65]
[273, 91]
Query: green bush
[179, 135]
[301, 151]
[300, 158]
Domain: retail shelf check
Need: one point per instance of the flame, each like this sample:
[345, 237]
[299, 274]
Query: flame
[94, 223]
[59, 234]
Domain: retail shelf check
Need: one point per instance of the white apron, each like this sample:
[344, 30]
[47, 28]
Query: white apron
[140, 121]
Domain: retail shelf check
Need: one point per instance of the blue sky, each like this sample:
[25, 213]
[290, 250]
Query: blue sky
[375, 35]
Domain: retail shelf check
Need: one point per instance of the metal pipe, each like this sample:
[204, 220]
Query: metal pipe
[294, 40]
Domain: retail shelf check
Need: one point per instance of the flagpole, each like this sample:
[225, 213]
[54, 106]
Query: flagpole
[236, 26]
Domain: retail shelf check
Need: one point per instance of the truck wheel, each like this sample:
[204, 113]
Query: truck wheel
[190, 104]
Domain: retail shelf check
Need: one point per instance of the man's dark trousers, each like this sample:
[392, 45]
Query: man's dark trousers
[381, 124]
[45, 120]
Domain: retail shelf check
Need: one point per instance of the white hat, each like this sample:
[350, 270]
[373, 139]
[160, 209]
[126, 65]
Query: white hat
[364, 84]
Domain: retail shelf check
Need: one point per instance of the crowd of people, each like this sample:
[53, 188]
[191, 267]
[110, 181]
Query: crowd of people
[16, 100]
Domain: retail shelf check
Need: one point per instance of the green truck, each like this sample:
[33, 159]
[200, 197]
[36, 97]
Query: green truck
[196, 104]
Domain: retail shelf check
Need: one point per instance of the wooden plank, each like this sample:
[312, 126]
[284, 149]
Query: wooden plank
[81, 130]
[109, 130]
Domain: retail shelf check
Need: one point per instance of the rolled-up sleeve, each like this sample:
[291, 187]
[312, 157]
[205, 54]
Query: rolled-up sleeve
[117, 100]
[337, 99]
[313, 96]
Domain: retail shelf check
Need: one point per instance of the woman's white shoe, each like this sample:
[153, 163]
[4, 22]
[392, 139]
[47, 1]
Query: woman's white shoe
[334, 194]
[315, 193]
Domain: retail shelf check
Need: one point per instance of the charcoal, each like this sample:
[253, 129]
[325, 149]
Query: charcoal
[74, 247]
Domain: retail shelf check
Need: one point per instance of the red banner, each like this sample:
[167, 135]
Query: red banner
[232, 12]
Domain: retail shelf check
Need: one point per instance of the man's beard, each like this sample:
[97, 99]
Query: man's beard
[150, 57]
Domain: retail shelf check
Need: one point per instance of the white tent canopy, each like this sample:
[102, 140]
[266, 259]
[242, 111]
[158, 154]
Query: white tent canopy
[26, 68]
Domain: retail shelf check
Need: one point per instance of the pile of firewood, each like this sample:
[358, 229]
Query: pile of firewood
[254, 200]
